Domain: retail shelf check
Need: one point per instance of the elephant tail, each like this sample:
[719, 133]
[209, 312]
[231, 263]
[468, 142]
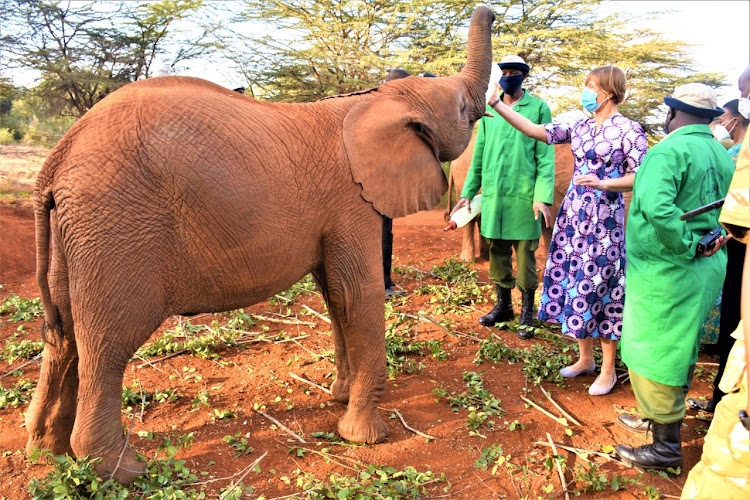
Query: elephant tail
[44, 202]
[447, 214]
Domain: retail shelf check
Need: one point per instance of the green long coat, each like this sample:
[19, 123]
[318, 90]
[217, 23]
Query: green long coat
[669, 289]
[513, 171]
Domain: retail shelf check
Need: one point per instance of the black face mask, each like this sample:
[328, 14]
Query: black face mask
[511, 84]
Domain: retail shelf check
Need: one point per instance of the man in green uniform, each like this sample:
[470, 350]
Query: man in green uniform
[516, 174]
[670, 285]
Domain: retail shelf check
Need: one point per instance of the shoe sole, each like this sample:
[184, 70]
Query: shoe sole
[641, 468]
[631, 429]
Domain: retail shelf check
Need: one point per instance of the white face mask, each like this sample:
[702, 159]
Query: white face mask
[721, 133]
[744, 107]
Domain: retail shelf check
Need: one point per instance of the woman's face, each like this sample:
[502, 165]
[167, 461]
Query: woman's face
[592, 83]
[727, 119]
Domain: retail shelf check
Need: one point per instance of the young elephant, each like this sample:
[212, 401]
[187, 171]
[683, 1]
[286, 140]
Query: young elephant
[176, 196]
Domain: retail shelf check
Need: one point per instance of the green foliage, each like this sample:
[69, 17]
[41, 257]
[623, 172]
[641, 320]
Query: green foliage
[460, 286]
[85, 50]
[305, 286]
[373, 481]
[20, 309]
[24, 349]
[239, 444]
[201, 346]
[165, 478]
[589, 478]
[17, 395]
[479, 402]
[540, 363]
[490, 456]
[135, 396]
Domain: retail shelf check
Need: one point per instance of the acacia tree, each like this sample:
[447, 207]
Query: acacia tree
[312, 48]
[84, 51]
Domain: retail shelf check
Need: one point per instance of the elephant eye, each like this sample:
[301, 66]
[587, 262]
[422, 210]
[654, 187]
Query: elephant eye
[463, 106]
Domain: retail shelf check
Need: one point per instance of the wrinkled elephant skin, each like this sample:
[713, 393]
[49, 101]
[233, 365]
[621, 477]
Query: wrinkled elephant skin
[176, 196]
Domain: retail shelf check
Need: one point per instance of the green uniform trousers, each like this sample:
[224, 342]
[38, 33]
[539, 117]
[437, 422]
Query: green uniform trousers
[501, 268]
[661, 403]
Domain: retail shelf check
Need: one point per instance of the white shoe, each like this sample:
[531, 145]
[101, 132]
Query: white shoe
[600, 387]
[569, 372]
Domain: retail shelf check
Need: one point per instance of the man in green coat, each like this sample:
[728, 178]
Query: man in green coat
[671, 285]
[517, 175]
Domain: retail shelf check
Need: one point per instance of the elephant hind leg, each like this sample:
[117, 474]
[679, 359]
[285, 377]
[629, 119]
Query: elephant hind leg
[106, 342]
[52, 412]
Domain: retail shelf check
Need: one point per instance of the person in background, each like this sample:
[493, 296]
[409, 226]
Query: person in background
[724, 468]
[730, 124]
[387, 236]
[671, 284]
[517, 176]
[584, 280]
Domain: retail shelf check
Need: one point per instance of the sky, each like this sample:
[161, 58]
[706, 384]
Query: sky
[718, 32]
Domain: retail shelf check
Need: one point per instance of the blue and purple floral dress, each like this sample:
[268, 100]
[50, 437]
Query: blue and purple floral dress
[584, 280]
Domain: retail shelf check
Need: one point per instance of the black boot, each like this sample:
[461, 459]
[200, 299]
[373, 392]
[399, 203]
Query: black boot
[503, 311]
[527, 315]
[664, 453]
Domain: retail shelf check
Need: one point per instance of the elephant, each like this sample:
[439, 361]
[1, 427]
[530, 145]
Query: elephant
[457, 176]
[174, 195]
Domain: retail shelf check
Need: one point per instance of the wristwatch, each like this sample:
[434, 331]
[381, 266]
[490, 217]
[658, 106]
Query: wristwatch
[494, 103]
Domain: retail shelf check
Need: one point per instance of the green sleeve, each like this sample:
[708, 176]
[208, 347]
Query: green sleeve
[474, 177]
[544, 156]
[658, 185]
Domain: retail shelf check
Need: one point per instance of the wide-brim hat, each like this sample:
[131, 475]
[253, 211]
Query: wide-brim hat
[695, 99]
[514, 62]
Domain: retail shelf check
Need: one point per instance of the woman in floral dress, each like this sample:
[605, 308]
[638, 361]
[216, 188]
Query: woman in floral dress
[584, 280]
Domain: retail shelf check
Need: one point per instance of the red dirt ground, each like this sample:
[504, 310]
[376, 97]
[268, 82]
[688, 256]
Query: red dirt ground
[260, 372]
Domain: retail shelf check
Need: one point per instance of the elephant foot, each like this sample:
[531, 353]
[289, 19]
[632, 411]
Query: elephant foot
[123, 469]
[363, 427]
[467, 256]
[340, 390]
[54, 444]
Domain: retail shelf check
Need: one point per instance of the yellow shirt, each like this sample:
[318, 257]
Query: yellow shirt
[735, 214]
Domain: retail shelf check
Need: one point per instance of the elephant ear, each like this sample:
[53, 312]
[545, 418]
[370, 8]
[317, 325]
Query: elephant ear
[394, 157]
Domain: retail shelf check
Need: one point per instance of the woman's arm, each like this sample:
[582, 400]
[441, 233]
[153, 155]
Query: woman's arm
[619, 185]
[523, 124]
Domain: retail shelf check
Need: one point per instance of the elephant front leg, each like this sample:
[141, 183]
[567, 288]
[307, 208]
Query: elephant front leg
[340, 386]
[357, 311]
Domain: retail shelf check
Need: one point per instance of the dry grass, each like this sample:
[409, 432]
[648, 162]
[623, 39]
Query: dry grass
[19, 165]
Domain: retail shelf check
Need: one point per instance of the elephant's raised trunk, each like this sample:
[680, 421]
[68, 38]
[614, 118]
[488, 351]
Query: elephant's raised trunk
[479, 59]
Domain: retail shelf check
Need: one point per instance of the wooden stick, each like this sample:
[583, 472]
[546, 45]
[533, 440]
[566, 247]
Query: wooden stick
[32, 360]
[706, 363]
[415, 431]
[566, 414]
[282, 427]
[582, 450]
[247, 471]
[182, 351]
[316, 313]
[556, 419]
[284, 321]
[559, 469]
[297, 377]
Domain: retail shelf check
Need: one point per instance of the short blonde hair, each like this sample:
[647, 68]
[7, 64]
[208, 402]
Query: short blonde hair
[611, 80]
